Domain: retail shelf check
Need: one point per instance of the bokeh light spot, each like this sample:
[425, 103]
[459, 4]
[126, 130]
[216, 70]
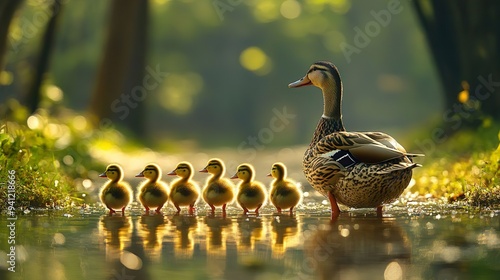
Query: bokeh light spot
[290, 9]
[131, 260]
[254, 59]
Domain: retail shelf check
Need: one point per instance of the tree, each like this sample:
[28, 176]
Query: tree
[122, 67]
[464, 39]
[7, 11]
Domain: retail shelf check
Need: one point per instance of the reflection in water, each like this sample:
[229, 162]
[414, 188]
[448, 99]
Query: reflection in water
[117, 232]
[338, 250]
[183, 236]
[250, 230]
[216, 244]
[151, 229]
[285, 234]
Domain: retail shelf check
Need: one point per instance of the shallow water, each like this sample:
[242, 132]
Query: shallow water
[415, 241]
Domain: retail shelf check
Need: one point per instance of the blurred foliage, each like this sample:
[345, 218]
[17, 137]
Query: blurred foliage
[51, 152]
[472, 174]
[242, 53]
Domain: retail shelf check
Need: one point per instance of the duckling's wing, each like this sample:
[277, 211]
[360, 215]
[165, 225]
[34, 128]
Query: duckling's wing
[360, 146]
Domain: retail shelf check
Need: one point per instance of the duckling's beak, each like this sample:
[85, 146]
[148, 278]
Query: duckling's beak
[172, 172]
[300, 83]
[235, 176]
[103, 175]
[204, 170]
[140, 174]
[269, 175]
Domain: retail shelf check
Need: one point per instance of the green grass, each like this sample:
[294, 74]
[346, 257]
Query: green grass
[465, 167]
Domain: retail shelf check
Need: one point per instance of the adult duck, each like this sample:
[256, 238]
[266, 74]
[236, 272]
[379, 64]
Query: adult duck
[377, 168]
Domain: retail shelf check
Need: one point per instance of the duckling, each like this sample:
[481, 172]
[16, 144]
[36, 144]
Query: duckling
[377, 167]
[152, 192]
[251, 194]
[218, 191]
[115, 194]
[184, 191]
[284, 192]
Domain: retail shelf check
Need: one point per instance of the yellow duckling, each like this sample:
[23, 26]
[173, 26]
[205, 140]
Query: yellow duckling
[152, 192]
[251, 194]
[218, 191]
[284, 192]
[184, 191]
[115, 194]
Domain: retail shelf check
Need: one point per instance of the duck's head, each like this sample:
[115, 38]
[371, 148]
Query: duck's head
[245, 172]
[214, 166]
[322, 74]
[114, 172]
[151, 171]
[278, 171]
[183, 170]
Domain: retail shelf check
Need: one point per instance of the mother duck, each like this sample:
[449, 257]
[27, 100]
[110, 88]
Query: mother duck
[356, 169]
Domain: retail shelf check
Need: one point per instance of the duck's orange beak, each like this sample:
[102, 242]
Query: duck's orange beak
[235, 176]
[204, 170]
[103, 175]
[300, 83]
[140, 174]
[172, 172]
[269, 175]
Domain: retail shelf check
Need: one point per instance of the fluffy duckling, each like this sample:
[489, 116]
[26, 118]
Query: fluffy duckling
[152, 192]
[184, 191]
[115, 194]
[284, 192]
[251, 194]
[218, 191]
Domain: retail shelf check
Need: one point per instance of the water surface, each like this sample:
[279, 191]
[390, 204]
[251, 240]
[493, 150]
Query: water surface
[415, 241]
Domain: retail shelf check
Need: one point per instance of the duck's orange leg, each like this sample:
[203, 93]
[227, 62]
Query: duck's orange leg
[334, 206]
[158, 210]
[123, 211]
[379, 211]
[177, 207]
[257, 210]
[291, 210]
[191, 209]
[279, 210]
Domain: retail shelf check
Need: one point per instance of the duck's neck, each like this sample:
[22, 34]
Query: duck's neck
[216, 176]
[331, 120]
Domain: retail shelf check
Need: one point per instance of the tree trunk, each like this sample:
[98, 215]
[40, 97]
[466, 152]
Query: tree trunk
[118, 95]
[463, 37]
[33, 96]
[7, 10]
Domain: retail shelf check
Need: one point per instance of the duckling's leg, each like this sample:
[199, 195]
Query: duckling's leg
[379, 211]
[177, 207]
[213, 208]
[257, 210]
[224, 208]
[123, 210]
[191, 209]
[279, 210]
[291, 210]
[111, 211]
[147, 209]
[158, 210]
[334, 205]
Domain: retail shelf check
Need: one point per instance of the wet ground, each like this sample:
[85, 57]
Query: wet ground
[414, 240]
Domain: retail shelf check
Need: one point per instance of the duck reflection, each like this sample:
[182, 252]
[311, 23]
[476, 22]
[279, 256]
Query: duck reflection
[183, 239]
[285, 234]
[117, 232]
[216, 234]
[250, 230]
[357, 248]
[151, 229]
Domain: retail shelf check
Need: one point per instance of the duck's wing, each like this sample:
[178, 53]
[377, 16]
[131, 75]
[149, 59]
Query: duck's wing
[362, 147]
[389, 142]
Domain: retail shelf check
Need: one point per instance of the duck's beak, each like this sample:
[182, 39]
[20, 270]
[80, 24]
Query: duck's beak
[140, 174]
[269, 175]
[172, 172]
[204, 170]
[235, 176]
[300, 83]
[103, 175]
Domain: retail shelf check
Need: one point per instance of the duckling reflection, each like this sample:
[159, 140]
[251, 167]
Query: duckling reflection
[250, 230]
[357, 248]
[151, 230]
[216, 235]
[184, 241]
[285, 233]
[116, 231]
